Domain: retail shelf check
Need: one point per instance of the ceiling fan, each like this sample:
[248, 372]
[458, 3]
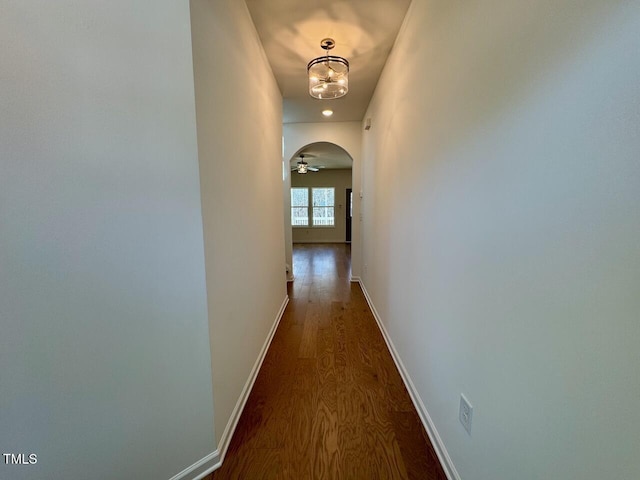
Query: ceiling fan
[303, 167]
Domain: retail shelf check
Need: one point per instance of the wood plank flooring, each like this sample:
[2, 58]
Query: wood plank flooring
[328, 402]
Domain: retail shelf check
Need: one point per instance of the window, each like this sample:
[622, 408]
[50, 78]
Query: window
[323, 202]
[300, 206]
[321, 212]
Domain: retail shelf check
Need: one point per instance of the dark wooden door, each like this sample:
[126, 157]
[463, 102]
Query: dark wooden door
[349, 213]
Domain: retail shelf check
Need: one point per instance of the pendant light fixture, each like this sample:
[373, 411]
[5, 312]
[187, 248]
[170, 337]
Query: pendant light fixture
[328, 75]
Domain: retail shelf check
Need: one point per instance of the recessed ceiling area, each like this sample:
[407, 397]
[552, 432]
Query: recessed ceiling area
[291, 31]
[324, 155]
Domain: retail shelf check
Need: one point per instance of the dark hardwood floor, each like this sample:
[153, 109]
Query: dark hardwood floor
[328, 402]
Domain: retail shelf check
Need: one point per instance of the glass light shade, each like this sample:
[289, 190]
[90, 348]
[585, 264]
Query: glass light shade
[302, 167]
[328, 77]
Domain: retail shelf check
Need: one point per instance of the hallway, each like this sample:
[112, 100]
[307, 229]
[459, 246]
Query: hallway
[328, 402]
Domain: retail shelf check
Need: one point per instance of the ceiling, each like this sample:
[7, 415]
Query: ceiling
[291, 31]
[324, 155]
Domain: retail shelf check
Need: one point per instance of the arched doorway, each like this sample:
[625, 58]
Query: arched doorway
[321, 186]
[316, 141]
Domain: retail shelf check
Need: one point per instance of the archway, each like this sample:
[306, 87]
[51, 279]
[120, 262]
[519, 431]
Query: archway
[345, 137]
[321, 194]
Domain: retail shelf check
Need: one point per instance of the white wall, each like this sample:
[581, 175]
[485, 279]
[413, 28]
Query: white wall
[239, 113]
[502, 193]
[347, 135]
[340, 180]
[104, 352]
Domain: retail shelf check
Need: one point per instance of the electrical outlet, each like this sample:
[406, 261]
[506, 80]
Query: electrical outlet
[466, 413]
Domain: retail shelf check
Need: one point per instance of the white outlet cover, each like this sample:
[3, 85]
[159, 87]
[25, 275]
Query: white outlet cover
[466, 413]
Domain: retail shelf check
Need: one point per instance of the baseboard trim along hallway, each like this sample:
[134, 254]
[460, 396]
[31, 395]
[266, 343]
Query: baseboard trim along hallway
[200, 469]
[225, 439]
[441, 451]
[213, 461]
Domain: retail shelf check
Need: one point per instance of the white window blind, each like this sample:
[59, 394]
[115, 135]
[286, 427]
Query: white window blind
[299, 206]
[323, 207]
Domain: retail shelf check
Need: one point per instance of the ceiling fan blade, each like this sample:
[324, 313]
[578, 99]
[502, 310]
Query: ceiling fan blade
[313, 169]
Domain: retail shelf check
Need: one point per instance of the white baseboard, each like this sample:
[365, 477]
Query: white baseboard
[436, 441]
[225, 439]
[319, 241]
[213, 461]
[200, 469]
[357, 280]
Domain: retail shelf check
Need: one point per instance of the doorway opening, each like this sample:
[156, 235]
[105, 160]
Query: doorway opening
[321, 207]
[320, 175]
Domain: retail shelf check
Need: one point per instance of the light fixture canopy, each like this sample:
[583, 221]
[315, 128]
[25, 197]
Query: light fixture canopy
[328, 75]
